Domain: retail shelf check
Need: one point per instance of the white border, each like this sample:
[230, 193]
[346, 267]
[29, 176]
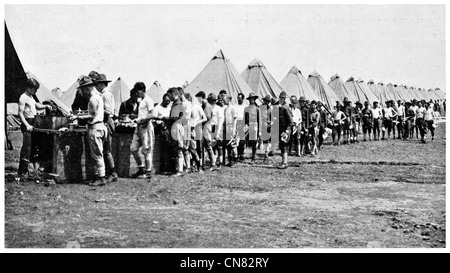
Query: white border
[208, 250]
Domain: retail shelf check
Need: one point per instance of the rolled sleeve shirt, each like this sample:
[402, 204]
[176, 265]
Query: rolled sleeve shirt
[108, 101]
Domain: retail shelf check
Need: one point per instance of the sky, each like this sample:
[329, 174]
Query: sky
[401, 44]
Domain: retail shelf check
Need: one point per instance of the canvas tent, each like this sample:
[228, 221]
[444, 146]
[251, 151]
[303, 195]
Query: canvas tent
[219, 74]
[413, 92]
[260, 80]
[15, 77]
[323, 91]
[69, 95]
[121, 93]
[370, 95]
[12, 116]
[425, 93]
[381, 98]
[432, 95]
[57, 92]
[355, 90]
[295, 84]
[156, 92]
[385, 93]
[406, 93]
[393, 91]
[400, 92]
[439, 93]
[338, 86]
[420, 94]
[44, 94]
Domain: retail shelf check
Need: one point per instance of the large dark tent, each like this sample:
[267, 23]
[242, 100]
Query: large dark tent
[15, 77]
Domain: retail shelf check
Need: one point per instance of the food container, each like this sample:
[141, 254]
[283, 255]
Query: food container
[125, 118]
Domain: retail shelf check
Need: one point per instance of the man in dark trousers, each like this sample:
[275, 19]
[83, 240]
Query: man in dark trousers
[323, 123]
[367, 120]
[285, 125]
[252, 119]
[27, 111]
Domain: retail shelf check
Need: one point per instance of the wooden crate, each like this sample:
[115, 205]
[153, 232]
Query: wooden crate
[121, 152]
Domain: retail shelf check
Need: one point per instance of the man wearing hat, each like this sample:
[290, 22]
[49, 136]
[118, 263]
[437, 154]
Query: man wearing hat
[377, 120]
[101, 84]
[367, 120]
[74, 169]
[252, 117]
[296, 131]
[285, 124]
[97, 131]
[349, 122]
[266, 123]
[338, 121]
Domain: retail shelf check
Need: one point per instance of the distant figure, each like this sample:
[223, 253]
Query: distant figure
[420, 113]
[367, 120]
[338, 121]
[252, 117]
[377, 120]
[285, 125]
[429, 117]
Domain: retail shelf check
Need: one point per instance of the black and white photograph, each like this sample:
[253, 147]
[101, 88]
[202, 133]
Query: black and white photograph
[224, 126]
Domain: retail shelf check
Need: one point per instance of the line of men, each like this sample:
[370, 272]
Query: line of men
[217, 130]
[405, 117]
[188, 132]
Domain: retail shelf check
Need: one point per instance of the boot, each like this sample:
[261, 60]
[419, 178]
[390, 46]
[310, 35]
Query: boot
[180, 165]
[113, 177]
[140, 171]
[101, 181]
[253, 155]
[233, 164]
[298, 150]
[230, 161]
[212, 159]
[283, 161]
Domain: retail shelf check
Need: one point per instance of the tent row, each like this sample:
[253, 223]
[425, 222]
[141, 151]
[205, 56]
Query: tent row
[220, 74]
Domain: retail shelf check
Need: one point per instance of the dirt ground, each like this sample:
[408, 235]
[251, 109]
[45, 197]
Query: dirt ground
[388, 194]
